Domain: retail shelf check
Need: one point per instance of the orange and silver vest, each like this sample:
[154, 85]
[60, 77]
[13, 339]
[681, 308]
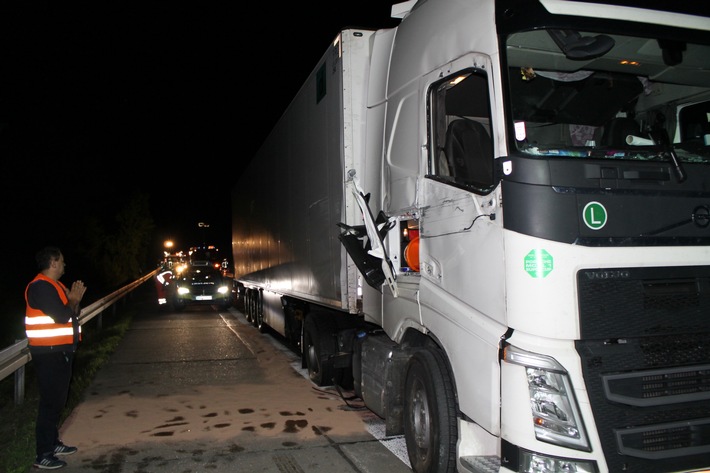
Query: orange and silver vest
[41, 329]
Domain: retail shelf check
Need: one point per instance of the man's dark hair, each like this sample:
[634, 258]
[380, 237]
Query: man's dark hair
[46, 255]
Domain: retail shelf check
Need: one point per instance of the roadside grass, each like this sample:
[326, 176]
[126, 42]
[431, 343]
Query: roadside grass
[17, 429]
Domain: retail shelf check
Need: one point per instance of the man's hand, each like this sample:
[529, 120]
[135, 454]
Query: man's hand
[76, 294]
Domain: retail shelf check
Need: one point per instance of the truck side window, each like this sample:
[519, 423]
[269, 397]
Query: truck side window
[462, 148]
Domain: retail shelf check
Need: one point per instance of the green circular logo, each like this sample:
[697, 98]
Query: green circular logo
[594, 215]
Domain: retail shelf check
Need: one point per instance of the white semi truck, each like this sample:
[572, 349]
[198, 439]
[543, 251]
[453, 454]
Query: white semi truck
[492, 223]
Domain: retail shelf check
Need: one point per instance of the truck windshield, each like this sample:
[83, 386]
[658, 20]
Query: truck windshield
[583, 94]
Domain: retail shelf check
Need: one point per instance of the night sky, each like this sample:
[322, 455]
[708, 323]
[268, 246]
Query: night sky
[98, 99]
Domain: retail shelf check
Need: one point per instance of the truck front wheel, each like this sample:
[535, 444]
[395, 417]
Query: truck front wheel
[430, 423]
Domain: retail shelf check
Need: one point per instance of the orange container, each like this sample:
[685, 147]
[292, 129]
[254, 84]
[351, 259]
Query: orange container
[411, 254]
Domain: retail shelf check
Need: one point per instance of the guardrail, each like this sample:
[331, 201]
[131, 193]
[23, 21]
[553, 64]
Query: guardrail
[14, 358]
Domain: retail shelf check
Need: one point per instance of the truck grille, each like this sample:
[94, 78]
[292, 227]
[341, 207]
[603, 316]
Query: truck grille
[645, 351]
[665, 441]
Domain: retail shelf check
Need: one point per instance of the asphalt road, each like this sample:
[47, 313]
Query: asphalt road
[203, 391]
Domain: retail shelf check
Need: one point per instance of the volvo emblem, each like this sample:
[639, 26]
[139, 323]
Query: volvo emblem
[608, 274]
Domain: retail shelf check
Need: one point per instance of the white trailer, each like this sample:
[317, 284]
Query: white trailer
[492, 222]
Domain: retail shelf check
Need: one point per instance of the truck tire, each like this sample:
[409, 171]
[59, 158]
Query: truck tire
[259, 315]
[319, 346]
[430, 423]
[255, 307]
[249, 306]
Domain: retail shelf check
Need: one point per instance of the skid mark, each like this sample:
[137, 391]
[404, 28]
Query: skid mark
[287, 464]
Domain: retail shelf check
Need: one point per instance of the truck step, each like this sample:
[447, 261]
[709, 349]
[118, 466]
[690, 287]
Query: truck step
[480, 464]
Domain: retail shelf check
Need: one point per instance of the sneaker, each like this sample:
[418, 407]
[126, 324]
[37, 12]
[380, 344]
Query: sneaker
[61, 450]
[49, 462]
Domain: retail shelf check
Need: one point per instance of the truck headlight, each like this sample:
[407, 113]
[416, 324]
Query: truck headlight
[182, 291]
[555, 415]
[223, 289]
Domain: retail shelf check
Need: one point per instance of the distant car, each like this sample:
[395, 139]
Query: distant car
[202, 284]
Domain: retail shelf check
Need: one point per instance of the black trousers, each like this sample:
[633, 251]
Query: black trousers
[54, 372]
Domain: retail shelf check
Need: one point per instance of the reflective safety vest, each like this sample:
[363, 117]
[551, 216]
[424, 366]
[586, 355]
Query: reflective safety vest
[165, 276]
[41, 329]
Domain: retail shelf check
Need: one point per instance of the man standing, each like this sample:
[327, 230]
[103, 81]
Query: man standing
[53, 333]
[162, 281]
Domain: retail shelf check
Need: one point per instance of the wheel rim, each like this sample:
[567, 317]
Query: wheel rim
[421, 419]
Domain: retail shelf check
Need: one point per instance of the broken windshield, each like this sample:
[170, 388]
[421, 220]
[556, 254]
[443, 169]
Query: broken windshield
[582, 94]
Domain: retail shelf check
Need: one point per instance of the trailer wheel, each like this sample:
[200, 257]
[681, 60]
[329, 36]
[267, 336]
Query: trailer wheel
[430, 423]
[319, 345]
[259, 315]
[255, 307]
[249, 312]
[247, 302]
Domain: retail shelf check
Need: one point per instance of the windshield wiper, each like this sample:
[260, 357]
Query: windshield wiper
[676, 164]
[700, 217]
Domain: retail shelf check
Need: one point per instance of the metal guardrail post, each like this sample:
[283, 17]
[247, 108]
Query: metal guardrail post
[20, 385]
